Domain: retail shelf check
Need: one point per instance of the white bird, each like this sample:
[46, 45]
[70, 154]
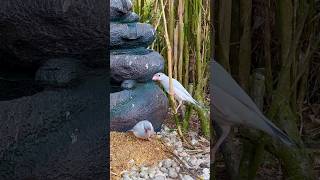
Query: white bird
[143, 129]
[180, 93]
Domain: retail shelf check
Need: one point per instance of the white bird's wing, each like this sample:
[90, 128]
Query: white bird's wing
[180, 92]
[183, 93]
[180, 89]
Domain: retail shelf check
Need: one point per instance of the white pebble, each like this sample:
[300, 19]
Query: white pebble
[179, 149]
[172, 173]
[174, 164]
[187, 177]
[175, 152]
[143, 175]
[183, 154]
[159, 177]
[143, 169]
[193, 161]
[194, 142]
[163, 169]
[167, 163]
[178, 144]
[206, 173]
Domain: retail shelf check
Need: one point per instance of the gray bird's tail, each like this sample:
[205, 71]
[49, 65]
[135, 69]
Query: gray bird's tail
[279, 134]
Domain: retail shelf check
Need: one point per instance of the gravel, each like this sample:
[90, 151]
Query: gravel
[193, 166]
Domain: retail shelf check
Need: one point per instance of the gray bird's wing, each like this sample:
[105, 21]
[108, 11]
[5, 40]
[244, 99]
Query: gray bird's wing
[235, 112]
[232, 101]
[222, 79]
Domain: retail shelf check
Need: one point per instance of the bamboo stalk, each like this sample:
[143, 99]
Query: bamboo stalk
[142, 10]
[169, 54]
[175, 52]
[171, 21]
[198, 56]
[181, 39]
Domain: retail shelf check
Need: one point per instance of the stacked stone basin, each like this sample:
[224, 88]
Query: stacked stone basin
[134, 97]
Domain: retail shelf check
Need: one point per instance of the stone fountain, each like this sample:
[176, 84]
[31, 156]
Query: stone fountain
[134, 96]
[53, 81]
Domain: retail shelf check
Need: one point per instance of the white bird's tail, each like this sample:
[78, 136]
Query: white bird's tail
[199, 105]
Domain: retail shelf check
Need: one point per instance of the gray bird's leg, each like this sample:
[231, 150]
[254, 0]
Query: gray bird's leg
[225, 132]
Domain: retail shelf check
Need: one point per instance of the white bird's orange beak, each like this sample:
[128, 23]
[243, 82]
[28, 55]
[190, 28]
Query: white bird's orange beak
[155, 78]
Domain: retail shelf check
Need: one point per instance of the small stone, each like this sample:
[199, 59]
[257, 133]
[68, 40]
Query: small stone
[194, 141]
[144, 175]
[206, 173]
[134, 168]
[178, 144]
[187, 177]
[163, 169]
[167, 163]
[166, 140]
[200, 161]
[126, 178]
[152, 172]
[179, 149]
[175, 152]
[177, 168]
[174, 164]
[183, 154]
[159, 177]
[143, 169]
[193, 161]
[187, 158]
[172, 173]
[151, 175]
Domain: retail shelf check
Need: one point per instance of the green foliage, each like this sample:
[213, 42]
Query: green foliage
[188, 27]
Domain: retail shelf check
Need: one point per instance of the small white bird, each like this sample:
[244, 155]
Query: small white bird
[143, 129]
[180, 93]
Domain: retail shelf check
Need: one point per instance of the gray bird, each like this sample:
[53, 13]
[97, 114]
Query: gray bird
[232, 106]
[143, 129]
[180, 93]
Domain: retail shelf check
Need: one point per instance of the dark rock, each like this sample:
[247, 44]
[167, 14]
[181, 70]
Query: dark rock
[56, 134]
[145, 101]
[59, 72]
[37, 30]
[119, 9]
[131, 35]
[10, 89]
[130, 18]
[140, 67]
[128, 84]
